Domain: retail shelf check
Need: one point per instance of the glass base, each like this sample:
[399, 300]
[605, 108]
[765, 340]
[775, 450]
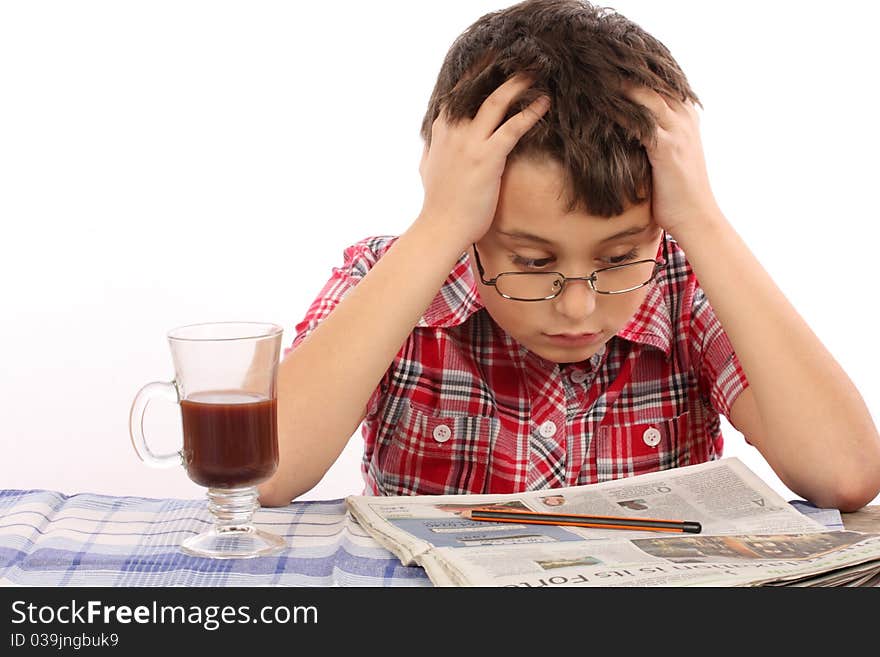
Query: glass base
[233, 543]
[233, 535]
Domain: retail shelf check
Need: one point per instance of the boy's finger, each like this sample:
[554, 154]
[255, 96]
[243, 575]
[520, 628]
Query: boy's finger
[654, 102]
[494, 108]
[519, 124]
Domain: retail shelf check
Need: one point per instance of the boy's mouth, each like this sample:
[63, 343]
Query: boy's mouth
[574, 339]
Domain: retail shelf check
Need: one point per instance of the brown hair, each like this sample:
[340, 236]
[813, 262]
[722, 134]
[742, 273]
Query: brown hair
[580, 55]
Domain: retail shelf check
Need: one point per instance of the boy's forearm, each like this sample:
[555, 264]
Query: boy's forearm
[819, 436]
[325, 383]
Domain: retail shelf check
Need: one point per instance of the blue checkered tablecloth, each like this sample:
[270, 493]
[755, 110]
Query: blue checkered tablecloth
[51, 539]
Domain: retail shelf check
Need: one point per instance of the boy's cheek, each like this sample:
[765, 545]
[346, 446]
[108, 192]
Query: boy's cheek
[523, 324]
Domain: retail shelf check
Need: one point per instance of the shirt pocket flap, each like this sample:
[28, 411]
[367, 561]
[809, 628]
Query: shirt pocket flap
[460, 436]
[624, 450]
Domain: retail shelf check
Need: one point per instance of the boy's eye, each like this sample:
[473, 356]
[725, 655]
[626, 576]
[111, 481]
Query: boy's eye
[542, 263]
[530, 263]
[621, 259]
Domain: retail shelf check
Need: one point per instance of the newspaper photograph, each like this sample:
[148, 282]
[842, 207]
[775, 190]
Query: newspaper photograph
[750, 535]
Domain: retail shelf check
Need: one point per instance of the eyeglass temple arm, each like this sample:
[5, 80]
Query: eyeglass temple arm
[480, 268]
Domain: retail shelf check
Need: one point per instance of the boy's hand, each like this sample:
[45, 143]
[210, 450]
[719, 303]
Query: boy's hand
[682, 194]
[461, 172]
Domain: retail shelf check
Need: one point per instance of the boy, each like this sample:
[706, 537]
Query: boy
[538, 325]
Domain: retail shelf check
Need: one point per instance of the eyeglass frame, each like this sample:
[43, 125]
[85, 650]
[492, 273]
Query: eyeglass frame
[659, 265]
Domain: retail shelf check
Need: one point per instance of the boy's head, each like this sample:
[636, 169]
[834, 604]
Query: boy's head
[580, 165]
[579, 55]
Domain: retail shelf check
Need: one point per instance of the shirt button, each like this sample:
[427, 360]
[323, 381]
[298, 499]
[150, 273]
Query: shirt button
[548, 429]
[651, 437]
[578, 376]
[442, 433]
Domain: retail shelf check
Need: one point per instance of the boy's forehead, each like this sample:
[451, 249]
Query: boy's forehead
[528, 181]
[532, 204]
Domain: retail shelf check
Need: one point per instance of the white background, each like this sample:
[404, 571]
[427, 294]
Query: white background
[165, 163]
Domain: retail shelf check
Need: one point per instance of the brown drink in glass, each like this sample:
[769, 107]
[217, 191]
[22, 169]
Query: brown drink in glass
[229, 438]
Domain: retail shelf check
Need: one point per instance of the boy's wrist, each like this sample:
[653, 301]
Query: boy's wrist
[439, 231]
[702, 232]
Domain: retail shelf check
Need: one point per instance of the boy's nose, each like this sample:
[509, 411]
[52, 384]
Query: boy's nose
[577, 300]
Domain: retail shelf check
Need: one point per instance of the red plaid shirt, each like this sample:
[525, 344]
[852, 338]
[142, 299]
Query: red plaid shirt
[464, 408]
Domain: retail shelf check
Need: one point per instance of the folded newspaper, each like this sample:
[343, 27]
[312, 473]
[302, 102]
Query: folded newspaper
[750, 535]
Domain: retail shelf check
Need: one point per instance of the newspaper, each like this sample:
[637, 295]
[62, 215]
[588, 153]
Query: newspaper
[750, 535]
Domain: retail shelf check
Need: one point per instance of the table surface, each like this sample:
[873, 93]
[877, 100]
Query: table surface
[48, 538]
[51, 539]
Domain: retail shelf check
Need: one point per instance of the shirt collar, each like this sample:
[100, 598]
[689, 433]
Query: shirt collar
[456, 301]
[651, 325]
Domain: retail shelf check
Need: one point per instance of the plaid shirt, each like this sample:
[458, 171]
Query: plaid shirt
[464, 408]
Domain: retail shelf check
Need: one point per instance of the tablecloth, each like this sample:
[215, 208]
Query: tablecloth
[48, 538]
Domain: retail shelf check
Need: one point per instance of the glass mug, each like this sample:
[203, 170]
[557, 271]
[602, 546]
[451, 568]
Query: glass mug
[225, 385]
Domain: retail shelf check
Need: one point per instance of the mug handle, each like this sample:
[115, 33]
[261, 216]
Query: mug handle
[166, 390]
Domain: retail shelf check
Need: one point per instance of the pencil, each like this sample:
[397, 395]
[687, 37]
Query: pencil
[576, 520]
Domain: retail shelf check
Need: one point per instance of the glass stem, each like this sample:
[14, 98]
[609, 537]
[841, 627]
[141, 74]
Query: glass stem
[233, 508]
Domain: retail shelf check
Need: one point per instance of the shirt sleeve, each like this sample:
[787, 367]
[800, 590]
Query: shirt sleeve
[721, 377]
[358, 259]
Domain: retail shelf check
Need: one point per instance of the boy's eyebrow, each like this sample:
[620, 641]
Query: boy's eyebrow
[530, 237]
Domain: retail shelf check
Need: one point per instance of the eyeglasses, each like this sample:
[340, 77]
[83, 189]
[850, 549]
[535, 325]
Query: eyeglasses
[546, 285]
